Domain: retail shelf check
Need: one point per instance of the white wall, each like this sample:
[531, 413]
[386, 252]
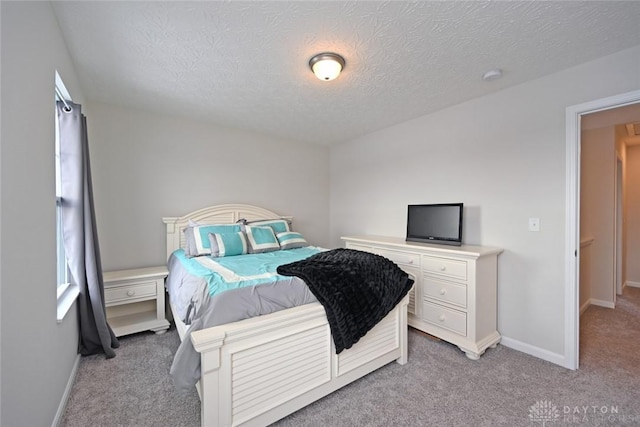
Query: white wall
[38, 354]
[633, 214]
[146, 166]
[597, 208]
[503, 155]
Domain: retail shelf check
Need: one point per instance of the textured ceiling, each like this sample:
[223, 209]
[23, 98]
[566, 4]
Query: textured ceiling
[245, 64]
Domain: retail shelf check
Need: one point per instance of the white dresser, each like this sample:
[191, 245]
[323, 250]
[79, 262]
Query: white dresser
[455, 293]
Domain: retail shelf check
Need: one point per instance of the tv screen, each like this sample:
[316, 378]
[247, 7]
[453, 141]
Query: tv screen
[439, 223]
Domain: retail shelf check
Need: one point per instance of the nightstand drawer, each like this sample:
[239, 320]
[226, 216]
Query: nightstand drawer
[446, 318]
[449, 292]
[446, 267]
[120, 294]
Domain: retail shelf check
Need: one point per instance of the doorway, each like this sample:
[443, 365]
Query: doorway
[572, 219]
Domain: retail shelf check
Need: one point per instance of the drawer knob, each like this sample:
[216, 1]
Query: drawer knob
[131, 293]
[443, 291]
[410, 261]
[441, 318]
[443, 268]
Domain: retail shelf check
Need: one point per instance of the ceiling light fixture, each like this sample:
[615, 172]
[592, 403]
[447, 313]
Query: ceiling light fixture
[326, 66]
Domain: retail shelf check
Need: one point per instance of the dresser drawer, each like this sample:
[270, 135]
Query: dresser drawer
[444, 266]
[449, 292]
[400, 258]
[446, 318]
[121, 294]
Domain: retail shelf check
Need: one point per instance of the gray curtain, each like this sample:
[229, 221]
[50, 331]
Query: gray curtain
[80, 234]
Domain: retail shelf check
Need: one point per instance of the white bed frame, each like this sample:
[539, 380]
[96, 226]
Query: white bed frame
[259, 370]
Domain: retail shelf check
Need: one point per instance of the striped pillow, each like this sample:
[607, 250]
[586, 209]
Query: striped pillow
[291, 240]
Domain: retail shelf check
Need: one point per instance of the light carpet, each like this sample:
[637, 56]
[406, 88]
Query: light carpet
[439, 386]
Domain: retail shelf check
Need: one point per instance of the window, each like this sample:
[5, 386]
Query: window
[63, 271]
[66, 291]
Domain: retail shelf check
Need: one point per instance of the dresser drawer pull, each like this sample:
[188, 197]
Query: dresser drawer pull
[441, 318]
[443, 291]
[131, 293]
[443, 268]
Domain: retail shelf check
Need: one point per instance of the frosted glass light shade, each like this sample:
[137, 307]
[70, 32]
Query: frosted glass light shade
[326, 66]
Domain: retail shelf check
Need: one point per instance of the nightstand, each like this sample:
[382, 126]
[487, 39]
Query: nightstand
[135, 300]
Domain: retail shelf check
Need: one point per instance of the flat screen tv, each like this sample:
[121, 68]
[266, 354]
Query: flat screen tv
[436, 223]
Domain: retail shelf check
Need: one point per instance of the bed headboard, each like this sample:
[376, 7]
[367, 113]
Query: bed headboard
[220, 214]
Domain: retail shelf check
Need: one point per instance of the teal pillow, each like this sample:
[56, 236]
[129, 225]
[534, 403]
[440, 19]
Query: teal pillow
[227, 244]
[291, 240]
[197, 237]
[278, 225]
[261, 239]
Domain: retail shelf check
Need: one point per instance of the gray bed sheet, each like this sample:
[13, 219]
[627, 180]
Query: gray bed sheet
[192, 303]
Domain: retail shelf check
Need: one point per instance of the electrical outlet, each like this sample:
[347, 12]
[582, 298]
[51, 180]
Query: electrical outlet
[534, 224]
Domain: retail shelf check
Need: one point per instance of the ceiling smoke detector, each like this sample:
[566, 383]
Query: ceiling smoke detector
[491, 75]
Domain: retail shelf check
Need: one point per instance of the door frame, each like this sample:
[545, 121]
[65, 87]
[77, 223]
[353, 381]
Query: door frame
[619, 232]
[572, 219]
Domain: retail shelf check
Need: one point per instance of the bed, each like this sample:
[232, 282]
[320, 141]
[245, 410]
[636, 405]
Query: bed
[258, 370]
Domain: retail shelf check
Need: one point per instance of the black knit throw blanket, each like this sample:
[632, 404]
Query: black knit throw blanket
[357, 289]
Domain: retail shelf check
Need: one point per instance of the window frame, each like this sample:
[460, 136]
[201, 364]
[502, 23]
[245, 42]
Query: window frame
[66, 291]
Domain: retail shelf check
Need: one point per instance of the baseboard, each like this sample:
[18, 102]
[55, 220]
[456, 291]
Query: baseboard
[67, 392]
[607, 304]
[632, 284]
[540, 353]
[600, 303]
[584, 306]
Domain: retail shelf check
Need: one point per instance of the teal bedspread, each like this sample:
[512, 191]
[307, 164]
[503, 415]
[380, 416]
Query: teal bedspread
[223, 274]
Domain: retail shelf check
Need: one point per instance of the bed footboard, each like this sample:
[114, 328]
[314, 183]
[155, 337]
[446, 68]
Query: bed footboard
[262, 369]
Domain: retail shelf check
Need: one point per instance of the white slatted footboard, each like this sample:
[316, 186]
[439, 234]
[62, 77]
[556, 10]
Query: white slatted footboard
[259, 370]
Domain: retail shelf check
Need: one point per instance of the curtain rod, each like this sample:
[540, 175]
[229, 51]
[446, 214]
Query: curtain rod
[67, 107]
